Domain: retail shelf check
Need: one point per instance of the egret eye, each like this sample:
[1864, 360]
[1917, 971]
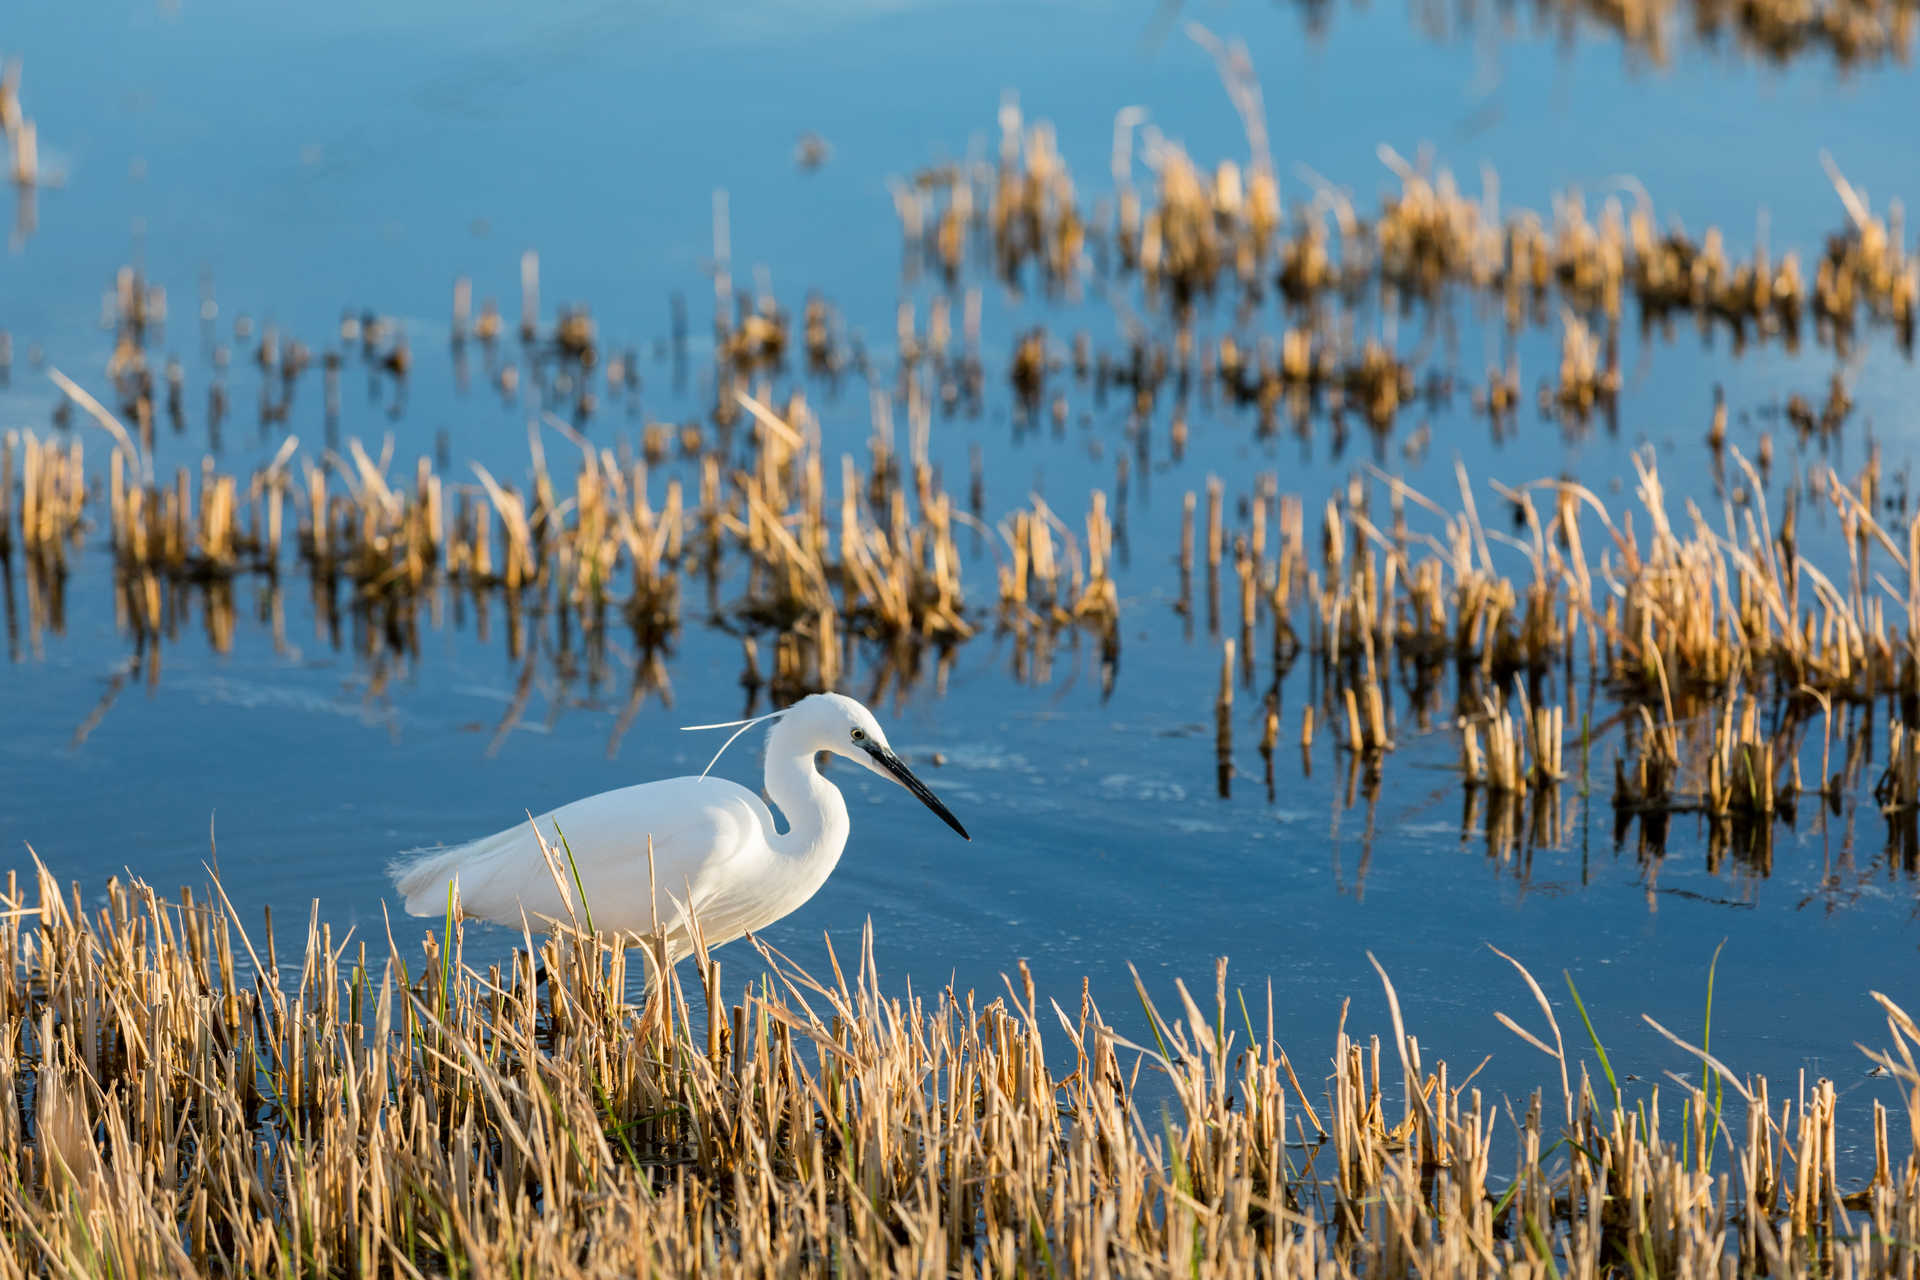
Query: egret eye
[859, 735]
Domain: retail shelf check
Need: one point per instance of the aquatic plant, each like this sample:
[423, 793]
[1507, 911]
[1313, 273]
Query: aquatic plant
[182, 1098]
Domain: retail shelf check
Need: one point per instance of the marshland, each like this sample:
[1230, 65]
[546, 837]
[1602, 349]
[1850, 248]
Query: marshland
[1392, 527]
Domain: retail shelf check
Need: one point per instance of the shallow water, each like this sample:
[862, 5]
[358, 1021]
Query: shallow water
[293, 165]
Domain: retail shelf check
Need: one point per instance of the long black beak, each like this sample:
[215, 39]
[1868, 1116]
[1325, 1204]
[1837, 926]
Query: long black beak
[894, 765]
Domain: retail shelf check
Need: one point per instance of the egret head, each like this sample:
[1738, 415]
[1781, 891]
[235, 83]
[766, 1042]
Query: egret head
[834, 722]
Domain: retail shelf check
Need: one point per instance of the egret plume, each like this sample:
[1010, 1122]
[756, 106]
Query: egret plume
[743, 726]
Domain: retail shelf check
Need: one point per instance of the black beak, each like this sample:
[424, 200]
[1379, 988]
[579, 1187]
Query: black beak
[894, 765]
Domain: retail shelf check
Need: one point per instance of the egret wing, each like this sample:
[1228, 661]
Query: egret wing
[699, 827]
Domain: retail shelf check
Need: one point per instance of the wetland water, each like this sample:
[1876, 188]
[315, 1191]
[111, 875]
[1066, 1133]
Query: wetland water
[272, 171]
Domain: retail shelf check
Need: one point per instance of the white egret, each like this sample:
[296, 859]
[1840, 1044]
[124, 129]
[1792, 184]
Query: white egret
[717, 852]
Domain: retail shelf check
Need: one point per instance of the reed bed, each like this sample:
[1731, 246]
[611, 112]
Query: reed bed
[184, 1100]
[617, 537]
[731, 518]
[1193, 235]
[1721, 668]
[1700, 629]
[1850, 33]
[1675, 616]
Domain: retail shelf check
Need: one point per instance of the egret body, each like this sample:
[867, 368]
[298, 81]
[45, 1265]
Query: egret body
[717, 851]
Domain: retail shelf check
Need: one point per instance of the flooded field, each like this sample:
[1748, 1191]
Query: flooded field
[1302, 483]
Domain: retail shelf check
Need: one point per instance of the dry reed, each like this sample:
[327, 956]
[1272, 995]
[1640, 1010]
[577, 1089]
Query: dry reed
[184, 1099]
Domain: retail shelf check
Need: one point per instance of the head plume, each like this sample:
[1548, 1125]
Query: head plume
[738, 726]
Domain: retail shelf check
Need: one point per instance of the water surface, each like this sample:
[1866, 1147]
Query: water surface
[288, 165]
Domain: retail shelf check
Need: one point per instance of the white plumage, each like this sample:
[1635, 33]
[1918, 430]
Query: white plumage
[717, 852]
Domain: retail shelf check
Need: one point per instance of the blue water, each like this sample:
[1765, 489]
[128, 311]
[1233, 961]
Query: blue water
[301, 162]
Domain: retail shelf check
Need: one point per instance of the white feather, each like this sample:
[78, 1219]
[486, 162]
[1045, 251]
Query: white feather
[709, 848]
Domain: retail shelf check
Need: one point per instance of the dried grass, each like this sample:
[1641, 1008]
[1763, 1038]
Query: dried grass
[183, 1100]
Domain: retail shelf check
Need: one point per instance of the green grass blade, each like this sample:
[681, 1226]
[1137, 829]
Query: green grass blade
[1707, 1076]
[1539, 1239]
[579, 888]
[446, 958]
[1153, 1021]
[1606, 1067]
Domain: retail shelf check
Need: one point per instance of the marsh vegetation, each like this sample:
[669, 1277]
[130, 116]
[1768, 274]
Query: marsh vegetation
[1154, 465]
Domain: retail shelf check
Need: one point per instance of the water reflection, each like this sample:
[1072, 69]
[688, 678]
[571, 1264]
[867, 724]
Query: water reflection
[1183, 327]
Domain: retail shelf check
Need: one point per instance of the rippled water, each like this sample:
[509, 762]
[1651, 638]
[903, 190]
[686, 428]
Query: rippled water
[289, 165]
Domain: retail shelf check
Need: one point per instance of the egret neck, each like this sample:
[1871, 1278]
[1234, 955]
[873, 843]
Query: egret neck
[815, 811]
